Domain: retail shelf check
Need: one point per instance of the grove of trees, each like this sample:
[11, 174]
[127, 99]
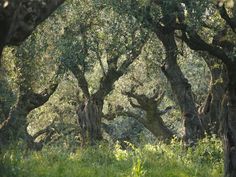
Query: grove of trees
[68, 67]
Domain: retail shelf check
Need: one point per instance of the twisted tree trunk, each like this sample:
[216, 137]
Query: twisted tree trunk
[90, 111]
[210, 110]
[89, 120]
[15, 126]
[182, 90]
[164, 30]
[152, 119]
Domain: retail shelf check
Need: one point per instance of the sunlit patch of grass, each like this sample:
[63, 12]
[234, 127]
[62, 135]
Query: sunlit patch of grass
[159, 160]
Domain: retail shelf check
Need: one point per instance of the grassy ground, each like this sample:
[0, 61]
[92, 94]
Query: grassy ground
[159, 160]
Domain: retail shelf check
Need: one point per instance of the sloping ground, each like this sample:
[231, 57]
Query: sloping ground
[159, 160]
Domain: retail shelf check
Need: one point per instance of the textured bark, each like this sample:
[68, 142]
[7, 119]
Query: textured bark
[89, 120]
[229, 109]
[229, 136]
[18, 18]
[224, 53]
[90, 112]
[182, 91]
[210, 111]
[221, 49]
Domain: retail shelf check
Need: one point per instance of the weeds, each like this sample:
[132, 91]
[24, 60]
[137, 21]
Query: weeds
[157, 160]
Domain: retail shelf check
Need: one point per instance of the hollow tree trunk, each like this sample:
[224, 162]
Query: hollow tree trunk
[182, 90]
[229, 136]
[89, 119]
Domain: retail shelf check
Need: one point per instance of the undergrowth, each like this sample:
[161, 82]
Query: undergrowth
[105, 160]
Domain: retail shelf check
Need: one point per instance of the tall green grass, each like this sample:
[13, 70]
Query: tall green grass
[104, 160]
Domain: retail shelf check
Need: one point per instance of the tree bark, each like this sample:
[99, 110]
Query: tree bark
[226, 54]
[154, 123]
[210, 110]
[15, 126]
[18, 19]
[164, 29]
[158, 129]
[90, 111]
[89, 120]
[182, 90]
[229, 136]
[152, 120]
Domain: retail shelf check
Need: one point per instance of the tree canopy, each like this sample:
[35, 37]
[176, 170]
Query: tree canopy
[168, 65]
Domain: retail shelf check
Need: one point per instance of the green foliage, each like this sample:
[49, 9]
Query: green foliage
[197, 72]
[159, 160]
[88, 34]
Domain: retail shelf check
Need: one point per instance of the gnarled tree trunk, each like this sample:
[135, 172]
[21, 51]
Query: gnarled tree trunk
[164, 29]
[210, 111]
[15, 126]
[90, 112]
[89, 120]
[182, 90]
[152, 119]
[155, 124]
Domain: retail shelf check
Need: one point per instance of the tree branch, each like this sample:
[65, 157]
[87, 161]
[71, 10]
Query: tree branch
[79, 75]
[113, 74]
[38, 99]
[230, 21]
[133, 104]
[195, 42]
[47, 129]
[136, 50]
[25, 16]
[167, 109]
[99, 58]
[18, 19]
[141, 99]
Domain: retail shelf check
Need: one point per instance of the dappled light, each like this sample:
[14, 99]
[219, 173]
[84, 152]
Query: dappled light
[109, 88]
